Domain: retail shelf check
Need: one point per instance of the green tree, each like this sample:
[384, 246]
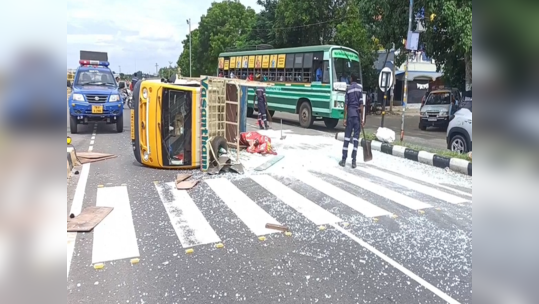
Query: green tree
[263, 32]
[305, 22]
[351, 32]
[183, 60]
[226, 24]
[448, 38]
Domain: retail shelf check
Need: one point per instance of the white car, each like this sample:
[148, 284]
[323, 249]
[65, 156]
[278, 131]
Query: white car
[459, 131]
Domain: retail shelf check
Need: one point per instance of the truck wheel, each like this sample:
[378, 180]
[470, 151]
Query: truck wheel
[331, 123]
[306, 115]
[120, 124]
[217, 144]
[73, 125]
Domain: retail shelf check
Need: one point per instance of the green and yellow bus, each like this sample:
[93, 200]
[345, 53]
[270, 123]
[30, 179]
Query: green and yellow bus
[309, 81]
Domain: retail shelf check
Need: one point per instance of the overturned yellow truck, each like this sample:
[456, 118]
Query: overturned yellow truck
[189, 124]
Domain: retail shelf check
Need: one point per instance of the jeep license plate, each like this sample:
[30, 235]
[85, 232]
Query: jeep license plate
[433, 119]
[97, 109]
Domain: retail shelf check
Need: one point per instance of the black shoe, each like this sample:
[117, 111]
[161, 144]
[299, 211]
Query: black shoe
[342, 163]
[354, 163]
[262, 128]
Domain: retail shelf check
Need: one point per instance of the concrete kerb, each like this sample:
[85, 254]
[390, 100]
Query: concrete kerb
[455, 164]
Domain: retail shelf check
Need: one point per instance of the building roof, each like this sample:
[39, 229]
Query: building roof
[418, 75]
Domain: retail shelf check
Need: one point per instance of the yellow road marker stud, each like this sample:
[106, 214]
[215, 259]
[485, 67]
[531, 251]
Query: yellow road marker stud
[288, 233]
[262, 238]
[220, 245]
[99, 186]
[346, 224]
[189, 251]
[322, 228]
[124, 185]
[438, 209]
[99, 266]
[394, 216]
[375, 219]
[421, 212]
[135, 261]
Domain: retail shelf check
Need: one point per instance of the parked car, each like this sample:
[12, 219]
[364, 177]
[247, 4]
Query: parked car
[459, 131]
[438, 108]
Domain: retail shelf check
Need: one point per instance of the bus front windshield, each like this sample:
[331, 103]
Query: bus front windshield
[343, 70]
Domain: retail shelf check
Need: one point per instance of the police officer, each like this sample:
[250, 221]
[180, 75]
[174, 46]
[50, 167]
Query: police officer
[353, 107]
[262, 106]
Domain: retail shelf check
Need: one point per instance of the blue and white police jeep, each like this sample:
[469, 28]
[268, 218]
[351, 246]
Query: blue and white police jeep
[95, 96]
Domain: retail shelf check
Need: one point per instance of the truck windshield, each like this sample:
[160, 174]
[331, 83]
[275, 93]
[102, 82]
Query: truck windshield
[95, 77]
[343, 70]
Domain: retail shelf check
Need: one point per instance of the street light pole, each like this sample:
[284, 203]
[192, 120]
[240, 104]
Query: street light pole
[405, 95]
[190, 57]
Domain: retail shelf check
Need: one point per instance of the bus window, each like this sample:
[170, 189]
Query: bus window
[176, 128]
[325, 71]
[343, 69]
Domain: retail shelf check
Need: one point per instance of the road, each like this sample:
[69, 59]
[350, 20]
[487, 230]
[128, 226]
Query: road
[431, 138]
[390, 231]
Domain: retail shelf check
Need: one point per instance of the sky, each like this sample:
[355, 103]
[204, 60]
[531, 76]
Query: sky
[136, 34]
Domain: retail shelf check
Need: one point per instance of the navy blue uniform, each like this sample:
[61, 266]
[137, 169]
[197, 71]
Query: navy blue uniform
[262, 116]
[353, 101]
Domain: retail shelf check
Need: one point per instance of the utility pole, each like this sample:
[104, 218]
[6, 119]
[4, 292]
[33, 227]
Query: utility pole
[120, 69]
[190, 56]
[156, 71]
[405, 95]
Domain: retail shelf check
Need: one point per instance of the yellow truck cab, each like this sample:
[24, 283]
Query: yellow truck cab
[187, 124]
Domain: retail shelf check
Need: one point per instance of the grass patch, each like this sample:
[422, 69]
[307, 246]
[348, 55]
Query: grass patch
[443, 153]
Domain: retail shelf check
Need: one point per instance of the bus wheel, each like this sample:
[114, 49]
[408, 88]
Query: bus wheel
[331, 123]
[217, 144]
[250, 112]
[306, 115]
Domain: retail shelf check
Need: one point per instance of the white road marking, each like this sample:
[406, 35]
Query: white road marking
[352, 201]
[465, 194]
[310, 210]
[415, 186]
[92, 142]
[93, 137]
[401, 268]
[114, 237]
[364, 183]
[76, 208]
[188, 222]
[254, 217]
[91, 148]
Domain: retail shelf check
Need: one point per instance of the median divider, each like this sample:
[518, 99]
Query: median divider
[424, 157]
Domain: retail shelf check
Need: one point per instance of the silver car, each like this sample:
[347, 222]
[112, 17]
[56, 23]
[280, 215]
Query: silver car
[437, 109]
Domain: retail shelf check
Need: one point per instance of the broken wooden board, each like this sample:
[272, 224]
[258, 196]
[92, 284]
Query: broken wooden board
[186, 185]
[90, 157]
[181, 177]
[269, 163]
[88, 219]
[277, 227]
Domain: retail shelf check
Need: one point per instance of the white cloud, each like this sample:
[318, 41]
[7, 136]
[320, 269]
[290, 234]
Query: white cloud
[136, 34]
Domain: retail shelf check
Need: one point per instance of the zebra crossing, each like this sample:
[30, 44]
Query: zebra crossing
[116, 239]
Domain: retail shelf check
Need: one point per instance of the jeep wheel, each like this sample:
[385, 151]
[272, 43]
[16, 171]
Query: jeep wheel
[73, 125]
[120, 124]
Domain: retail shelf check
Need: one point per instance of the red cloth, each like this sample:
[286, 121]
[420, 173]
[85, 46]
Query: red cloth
[257, 143]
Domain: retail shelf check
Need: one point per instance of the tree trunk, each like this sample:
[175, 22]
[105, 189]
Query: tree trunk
[468, 60]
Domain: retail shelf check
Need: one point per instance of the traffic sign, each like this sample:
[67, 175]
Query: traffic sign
[385, 80]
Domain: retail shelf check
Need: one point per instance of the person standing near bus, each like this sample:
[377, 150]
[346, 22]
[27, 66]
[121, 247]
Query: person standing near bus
[262, 108]
[353, 107]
